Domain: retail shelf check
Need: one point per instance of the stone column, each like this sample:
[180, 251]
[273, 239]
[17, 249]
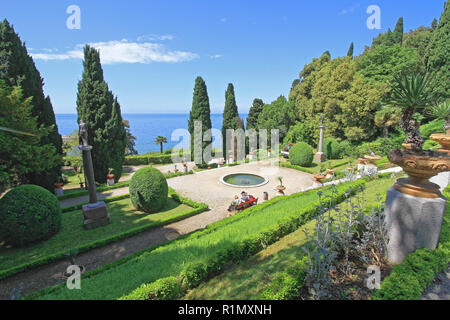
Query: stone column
[320, 156]
[94, 213]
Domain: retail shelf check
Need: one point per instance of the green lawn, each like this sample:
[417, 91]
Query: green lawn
[124, 219]
[246, 280]
[170, 259]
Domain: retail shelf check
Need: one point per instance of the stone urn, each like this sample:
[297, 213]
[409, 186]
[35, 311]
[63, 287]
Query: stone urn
[318, 178]
[420, 168]
[443, 140]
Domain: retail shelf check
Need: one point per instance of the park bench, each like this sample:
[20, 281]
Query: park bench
[247, 204]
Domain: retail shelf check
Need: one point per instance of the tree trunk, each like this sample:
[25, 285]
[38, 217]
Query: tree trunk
[161, 147]
[386, 131]
[411, 129]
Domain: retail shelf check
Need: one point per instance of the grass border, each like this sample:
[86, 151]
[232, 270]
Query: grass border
[197, 208]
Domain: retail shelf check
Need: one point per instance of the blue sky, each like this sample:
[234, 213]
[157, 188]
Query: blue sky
[153, 50]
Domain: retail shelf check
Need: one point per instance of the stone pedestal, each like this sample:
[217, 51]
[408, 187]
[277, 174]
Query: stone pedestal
[95, 215]
[319, 157]
[59, 192]
[110, 182]
[370, 169]
[442, 180]
[412, 223]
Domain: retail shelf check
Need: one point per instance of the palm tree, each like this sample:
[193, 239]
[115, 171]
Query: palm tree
[386, 118]
[411, 93]
[160, 140]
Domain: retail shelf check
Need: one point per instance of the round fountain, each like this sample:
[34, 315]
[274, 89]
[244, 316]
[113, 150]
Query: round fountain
[247, 180]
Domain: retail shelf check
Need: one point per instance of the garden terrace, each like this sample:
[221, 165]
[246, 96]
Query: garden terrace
[220, 241]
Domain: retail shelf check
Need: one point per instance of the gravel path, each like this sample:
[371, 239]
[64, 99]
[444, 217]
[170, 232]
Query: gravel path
[440, 288]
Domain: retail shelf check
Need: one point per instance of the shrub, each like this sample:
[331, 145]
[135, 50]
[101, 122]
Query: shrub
[28, 213]
[331, 148]
[301, 154]
[435, 126]
[148, 190]
[163, 289]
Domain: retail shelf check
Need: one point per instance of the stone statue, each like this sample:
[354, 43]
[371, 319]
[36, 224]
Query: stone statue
[83, 133]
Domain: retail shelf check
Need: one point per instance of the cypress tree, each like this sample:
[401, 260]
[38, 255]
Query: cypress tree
[200, 112]
[97, 107]
[230, 116]
[397, 35]
[437, 53]
[17, 68]
[118, 140]
[255, 110]
[350, 51]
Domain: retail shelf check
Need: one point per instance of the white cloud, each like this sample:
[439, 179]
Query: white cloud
[112, 52]
[154, 37]
[349, 10]
[216, 56]
[223, 20]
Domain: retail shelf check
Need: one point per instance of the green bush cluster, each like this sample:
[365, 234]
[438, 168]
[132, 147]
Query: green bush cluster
[28, 213]
[286, 285]
[148, 190]
[301, 154]
[435, 126]
[331, 148]
[146, 159]
[168, 288]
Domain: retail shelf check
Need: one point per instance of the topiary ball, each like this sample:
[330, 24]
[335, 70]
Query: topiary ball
[331, 148]
[28, 213]
[301, 154]
[148, 190]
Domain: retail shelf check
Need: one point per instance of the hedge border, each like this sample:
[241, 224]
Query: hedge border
[118, 185]
[196, 209]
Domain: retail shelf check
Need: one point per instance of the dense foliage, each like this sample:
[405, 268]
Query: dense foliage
[98, 108]
[331, 148]
[253, 114]
[21, 150]
[18, 69]
[200, 112]
[28, 213]
[301, 154]
[148, 190]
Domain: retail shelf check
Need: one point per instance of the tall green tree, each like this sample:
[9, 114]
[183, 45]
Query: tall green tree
[397, 35]
[130, 149]
[21, 151]
[200, 112]
[230, 117]
[117, 138]
[17, 68]
[98, 108]
[350, 50]
[253, 114]
[437, 55]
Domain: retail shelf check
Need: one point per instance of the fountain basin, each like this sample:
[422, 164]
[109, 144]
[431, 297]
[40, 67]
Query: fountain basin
[247, 180]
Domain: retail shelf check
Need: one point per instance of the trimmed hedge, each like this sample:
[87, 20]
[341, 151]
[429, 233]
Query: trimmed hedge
[148, 159]
[148, 190]
[28, 213]
[301, 154]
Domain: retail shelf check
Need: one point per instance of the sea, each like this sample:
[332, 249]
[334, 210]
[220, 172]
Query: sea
[146, 127]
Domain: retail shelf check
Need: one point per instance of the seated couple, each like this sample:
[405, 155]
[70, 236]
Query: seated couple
[244, 198]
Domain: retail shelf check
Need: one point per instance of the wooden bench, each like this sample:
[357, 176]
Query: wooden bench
[246, 205]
